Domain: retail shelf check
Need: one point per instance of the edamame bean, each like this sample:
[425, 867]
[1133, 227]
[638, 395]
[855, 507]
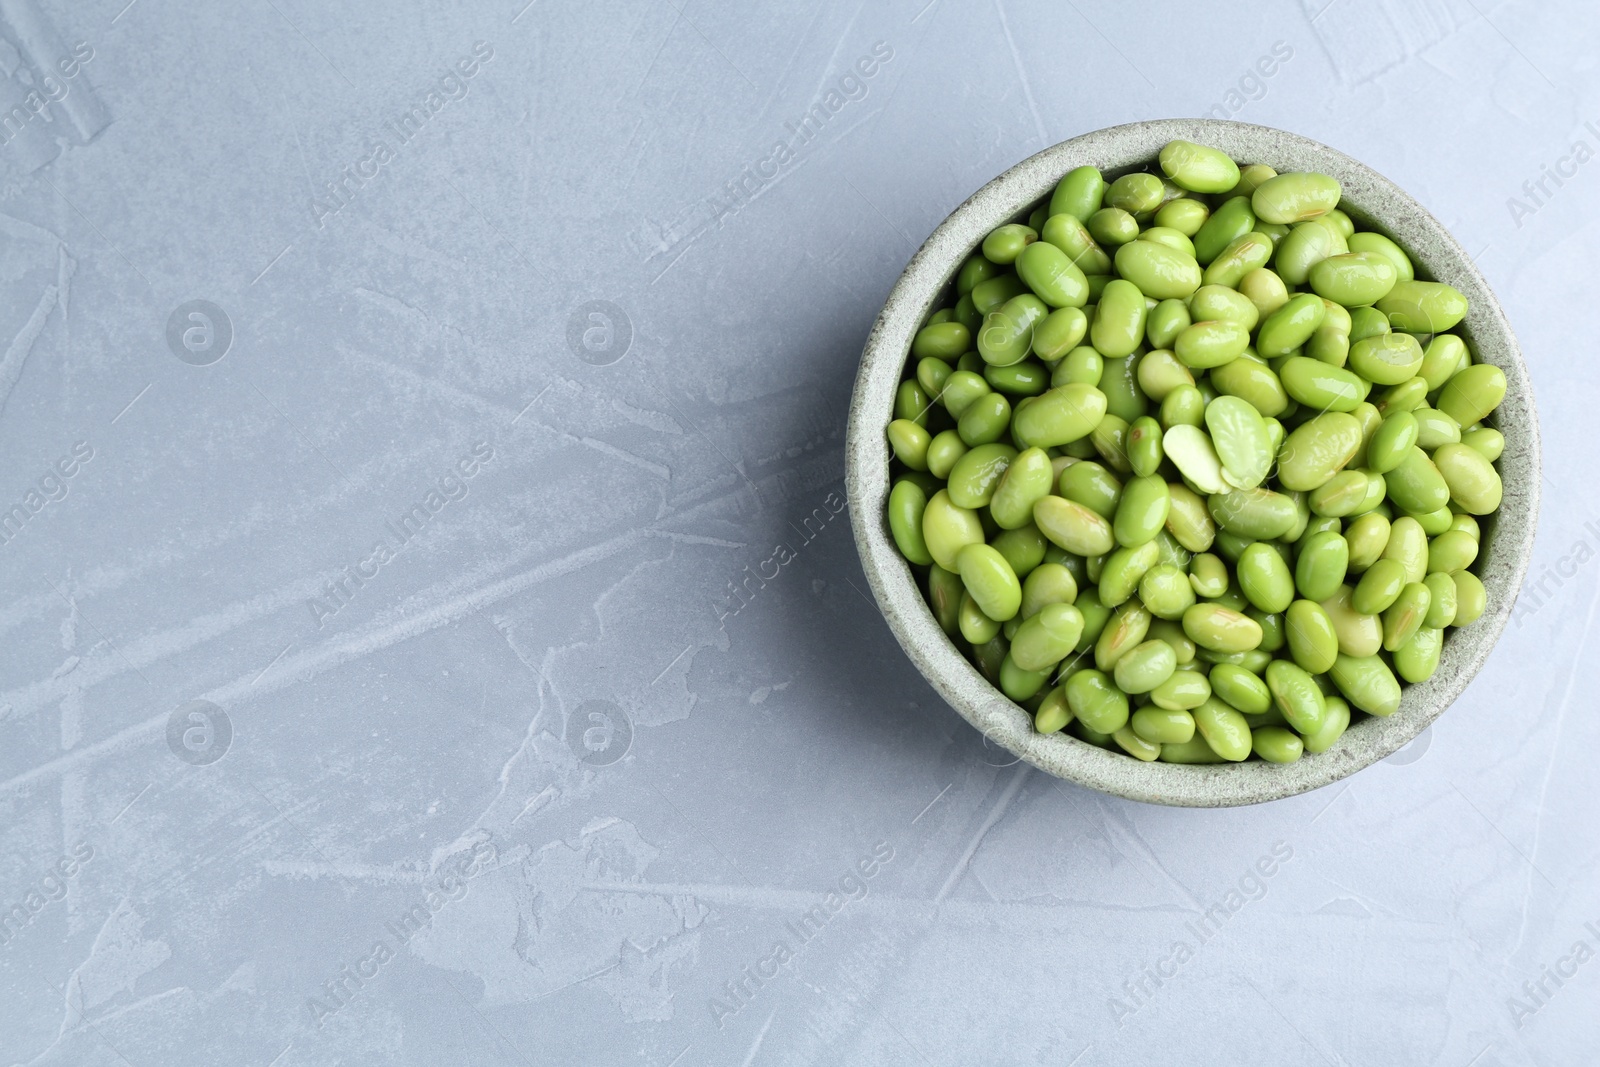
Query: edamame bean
[1240, 688]
[1050, 273]
[1162, 326]
[1391, 442]
[1198, 168]
[1060, 415]
[1122, 570]
[1277, 745]
[1471, 598]
[1317, 450]
[1058, 333]
[1416, 485]
[1486, 441]
[1243, 255]
[1182, 691]
[1417, 659]
[1112, 226]
[975, 626]
[1222, 304]
[1359, 634]
[1070, 525]
[1054, 714]
[1296, 696]
[1144, 446]
[1305, 246]
[1441, 602]
[948, 528]
[1023, 482]
[1322, 386]
[1251, 380]
[1407, 545]
[1126, 629]
[1343, 494]
[1239, 436]
[1119, 320]
[1403, 618]
[1090, 484]
[1048, 583]
[910, 443]
[977, 474]
[990, 580]
[1228, 223]
[1120, 383]
[1144, 667]
[1265, 291]
[1136, 746]
[1451, 551]
[1354, 279]
[1161, 273]
[1142, 510]
[1045, 639]
[1367, 683]
[1079, 194]
[1473, 482]
[1423, 307]
[1313, 642]
[1028, 378]
[907, 502]
[1335, 721]
[1368, 538]
[1379, 587]
[1191, 451]
[961, 389]
[1324, 561]
[1264, 578]
[944, 340]
[1290, 326]
[1221, 629]
[1378, 244]
[1184, 406]
[1006, 243]
[1186, 216]
[1211, 343]
[1223, 729]
[1256, 514]
[1018, 684]
[1295, 197]
[1386, 359]
[1165, 591]
[1081, 366]
[1007, 333]
[1137, 194]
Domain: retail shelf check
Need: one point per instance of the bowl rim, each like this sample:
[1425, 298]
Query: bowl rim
[1381, 204]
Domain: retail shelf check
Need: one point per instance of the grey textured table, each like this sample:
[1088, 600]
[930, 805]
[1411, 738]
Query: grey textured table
[430, 631]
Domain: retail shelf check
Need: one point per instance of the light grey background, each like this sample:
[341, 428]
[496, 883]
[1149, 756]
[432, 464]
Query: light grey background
[545, 711]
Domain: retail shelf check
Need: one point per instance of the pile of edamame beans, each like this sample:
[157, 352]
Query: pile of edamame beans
[1194, 468]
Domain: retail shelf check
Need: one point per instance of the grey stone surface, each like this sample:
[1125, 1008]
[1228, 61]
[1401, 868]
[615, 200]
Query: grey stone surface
[1507, 540]
[555, 773]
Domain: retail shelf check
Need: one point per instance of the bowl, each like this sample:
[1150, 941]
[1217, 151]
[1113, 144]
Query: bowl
[1376, 203]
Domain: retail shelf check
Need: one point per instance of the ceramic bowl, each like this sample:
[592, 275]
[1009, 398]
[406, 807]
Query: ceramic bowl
[1373, 201]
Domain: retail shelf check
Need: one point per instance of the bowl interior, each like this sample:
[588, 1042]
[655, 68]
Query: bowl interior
[926, 285]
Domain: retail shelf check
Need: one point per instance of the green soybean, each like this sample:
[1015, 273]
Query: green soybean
[1354, 279]
[1335, 721]
[1023, 482]
[1060, 415]
[1119, 319]
[1005, 243]
[1224, 730]
[977, 474]
[1403, 618]
[1051, 274]
[907, 502]
[1277, 745]
[990, 580]
[1472, 480]
[1295, 197]
[1142, 510]
[1045, 639]
[1442, 601]
[1378, 244]
[1318, 449]
[1122, 570]
[1243, 255]
[1423, 307]
[1305, 246]
[1232, 220]
[1071, 526]
[1313, 642]
[1295, 695]
[1144, 667]
[1367, 683]
[1161, 273]
[1417, 659]
[1186, 216]
[1198, 168]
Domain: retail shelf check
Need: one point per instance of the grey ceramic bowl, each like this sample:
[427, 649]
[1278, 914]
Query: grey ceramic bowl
[1374, 201]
